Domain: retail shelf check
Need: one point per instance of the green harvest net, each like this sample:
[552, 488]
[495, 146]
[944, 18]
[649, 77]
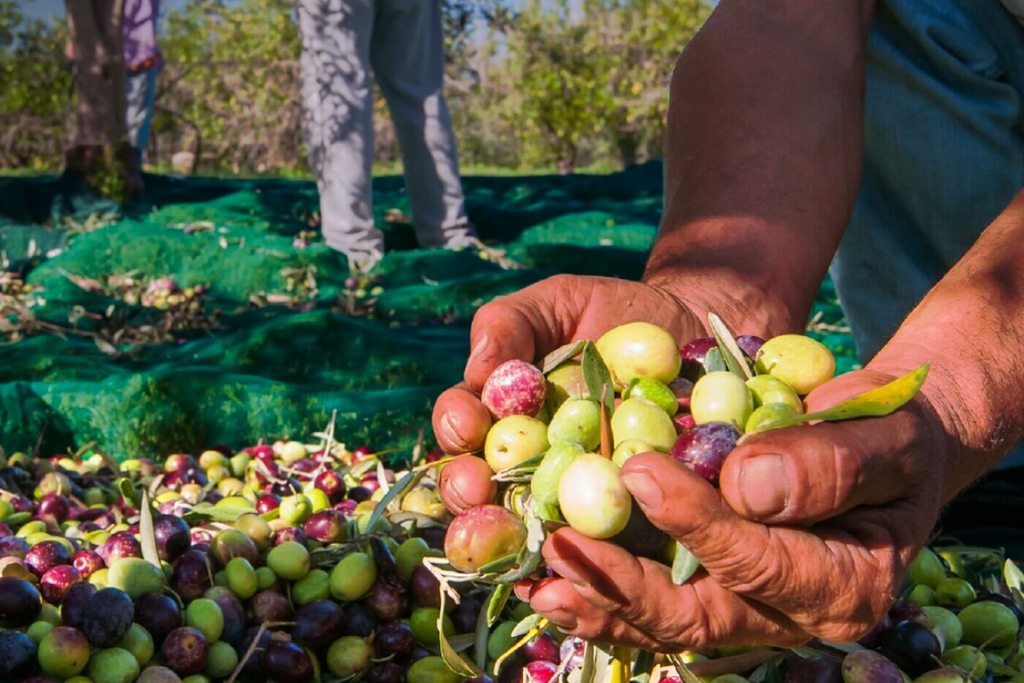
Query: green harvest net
[279, 343]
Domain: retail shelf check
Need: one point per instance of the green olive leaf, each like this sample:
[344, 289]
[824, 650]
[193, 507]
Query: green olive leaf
[526, 625]
[714, 362]
[684, 565]
[453, 659]
[682, 670]
[482, 634]
[878, 402]
[496, 604]
[562, 354]
[500, 565]
[596, 375]
[147, 534]
[540, 626]
[768, 672]
[129, 492]
[734, 357]
[526, 563]
[1012, 575]
[408, 480]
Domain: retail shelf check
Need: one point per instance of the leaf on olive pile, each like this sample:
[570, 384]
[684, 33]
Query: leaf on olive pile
[562, 354]
[453, 659]
[733, 356]
[596, 375]
[714, 362]
[147, 534]
[684, 565]
[878, 402]
[495, 606]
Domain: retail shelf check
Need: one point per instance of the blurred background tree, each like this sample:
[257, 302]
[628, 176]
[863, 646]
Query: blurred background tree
[533, 85]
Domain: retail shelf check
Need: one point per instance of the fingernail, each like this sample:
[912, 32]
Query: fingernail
[480, 345]
[644, 488]
[449, 432]
[763, 485]
[562, 619]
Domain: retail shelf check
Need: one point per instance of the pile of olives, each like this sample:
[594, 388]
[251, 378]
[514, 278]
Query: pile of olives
[269, 564]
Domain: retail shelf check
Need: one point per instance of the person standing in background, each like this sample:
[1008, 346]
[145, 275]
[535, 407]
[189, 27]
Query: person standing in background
[402, 42]
[142, 61]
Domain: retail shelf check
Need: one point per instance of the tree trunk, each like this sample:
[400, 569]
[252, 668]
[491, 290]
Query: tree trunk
[100, 150]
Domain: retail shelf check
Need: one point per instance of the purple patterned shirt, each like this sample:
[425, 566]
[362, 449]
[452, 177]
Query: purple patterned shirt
[140, 48]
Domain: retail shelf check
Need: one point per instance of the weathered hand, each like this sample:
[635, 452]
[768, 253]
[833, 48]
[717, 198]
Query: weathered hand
[530, 324]
[871, 488]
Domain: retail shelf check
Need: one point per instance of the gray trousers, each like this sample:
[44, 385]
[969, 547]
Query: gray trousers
[401, 41]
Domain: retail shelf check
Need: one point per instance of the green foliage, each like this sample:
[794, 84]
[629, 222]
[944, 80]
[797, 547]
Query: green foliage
[556, 84]
[34, 89]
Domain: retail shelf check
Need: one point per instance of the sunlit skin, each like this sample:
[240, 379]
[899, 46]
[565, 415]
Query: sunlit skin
[760, 181]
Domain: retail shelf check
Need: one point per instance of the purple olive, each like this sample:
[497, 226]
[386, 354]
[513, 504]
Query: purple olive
[287, 662]
[55, 583]
[17, 656]
[819, 669]
[465, 615]
[360, 494]
[332, 485]
[76, 604]
[120, 545]
[109, 616]
[319, 623]
[749, 344]
[545, 648]
[395, 638]
[54, 505]
[912, 646]
[158, 614]
[13, 546]
[290, 533]
[385, 672]
[269, 606]
[44, 556]
[327, 526]
[172, 537]
[424, 587]
[693, 354]
[20, 602]
[359, 620]
[870, 640]
[234, 613]
[386, 602]
[191, 575]
[704, 448]
[87, 562]
[185, 651]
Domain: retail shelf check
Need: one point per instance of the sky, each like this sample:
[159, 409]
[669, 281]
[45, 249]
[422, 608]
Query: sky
[43, 9]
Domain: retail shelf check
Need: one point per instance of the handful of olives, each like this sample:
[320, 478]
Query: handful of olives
[562, 431]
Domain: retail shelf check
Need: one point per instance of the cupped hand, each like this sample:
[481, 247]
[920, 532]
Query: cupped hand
[809, 536]
[531, 323]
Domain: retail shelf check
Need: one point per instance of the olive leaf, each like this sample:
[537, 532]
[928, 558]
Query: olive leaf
[483, 634]
[499, 565]
[878, 402]
[147, 533]
[733, 356]
[456, 662]
[129, 492]
[684, 565]
[205, 512]
[596, 375]
[589, 672]
[562, 354]
[621, 659]
[407, 481]
[527, 563]
[768, 672]
[714, 362]
[496, 604]
[682, 670]
[1012, 575]
[526, 625]
[540, 626]
[520, 472]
